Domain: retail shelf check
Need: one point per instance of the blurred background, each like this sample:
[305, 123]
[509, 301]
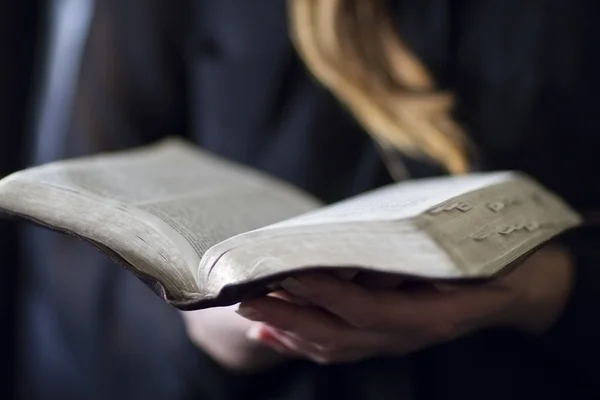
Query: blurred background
[41, 47]
[21, 23]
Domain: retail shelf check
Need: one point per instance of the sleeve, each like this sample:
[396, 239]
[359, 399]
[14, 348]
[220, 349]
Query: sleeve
[575, 340]
[569, 166]
[561, 150]
[132, 84]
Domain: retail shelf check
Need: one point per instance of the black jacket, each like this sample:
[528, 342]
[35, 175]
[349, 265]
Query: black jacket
[225, 75]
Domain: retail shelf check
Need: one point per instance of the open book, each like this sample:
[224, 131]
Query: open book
[204, 232]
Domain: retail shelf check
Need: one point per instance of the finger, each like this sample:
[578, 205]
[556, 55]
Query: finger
[323, 331]
[431, 313]
[289, 297]
[265, 335]
[441, 315]
[343, 274]
[322, 354]
[309, 323]
[296, 343]
[347, 300]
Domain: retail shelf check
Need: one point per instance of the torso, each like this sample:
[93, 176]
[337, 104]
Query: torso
[253, 101]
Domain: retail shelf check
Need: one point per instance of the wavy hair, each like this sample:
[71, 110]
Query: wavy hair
[352, 47]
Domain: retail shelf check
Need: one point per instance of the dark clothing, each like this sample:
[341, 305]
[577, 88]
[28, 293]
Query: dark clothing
[224, 73]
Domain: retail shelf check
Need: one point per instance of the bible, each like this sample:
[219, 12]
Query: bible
[203, 232]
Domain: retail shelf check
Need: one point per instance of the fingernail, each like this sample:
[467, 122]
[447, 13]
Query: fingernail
[257, 333]
[295, 287]
[249, 313]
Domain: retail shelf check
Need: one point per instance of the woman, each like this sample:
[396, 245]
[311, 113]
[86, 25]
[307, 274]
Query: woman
[358, 93]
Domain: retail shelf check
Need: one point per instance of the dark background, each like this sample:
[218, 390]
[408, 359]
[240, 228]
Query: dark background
[20, 24]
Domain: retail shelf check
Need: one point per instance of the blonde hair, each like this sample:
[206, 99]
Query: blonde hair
[353, 49]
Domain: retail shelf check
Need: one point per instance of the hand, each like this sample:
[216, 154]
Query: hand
[230, 340]
[349, 322]
[222, 334]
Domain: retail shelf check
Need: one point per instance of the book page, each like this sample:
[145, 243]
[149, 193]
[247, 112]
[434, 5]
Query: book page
[397, 201]
[178, 201]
